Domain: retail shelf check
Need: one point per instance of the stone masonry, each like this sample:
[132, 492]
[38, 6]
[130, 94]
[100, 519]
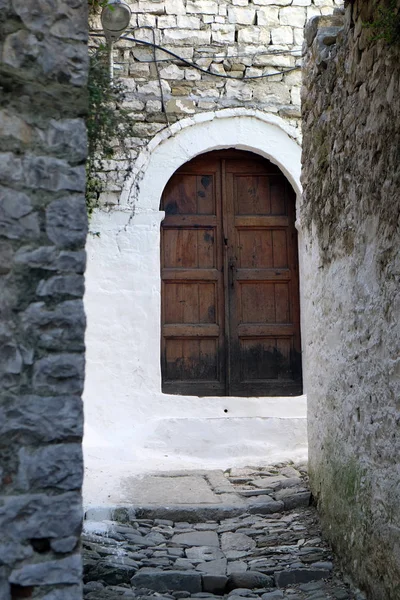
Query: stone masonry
[43, 77]
[229, 40]
[350, 219]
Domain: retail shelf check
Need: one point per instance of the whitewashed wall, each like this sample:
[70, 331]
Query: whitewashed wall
[130, 425]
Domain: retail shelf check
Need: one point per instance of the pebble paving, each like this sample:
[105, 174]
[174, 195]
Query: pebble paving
[270, 548]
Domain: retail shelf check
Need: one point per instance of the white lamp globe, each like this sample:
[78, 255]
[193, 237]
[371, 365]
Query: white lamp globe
[115, 18]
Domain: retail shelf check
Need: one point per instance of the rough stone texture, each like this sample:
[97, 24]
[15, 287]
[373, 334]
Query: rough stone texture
[226, 38]
[288, 558]
[350, 223]
[43, 74]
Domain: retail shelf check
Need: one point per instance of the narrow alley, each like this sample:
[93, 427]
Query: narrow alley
[246, 533]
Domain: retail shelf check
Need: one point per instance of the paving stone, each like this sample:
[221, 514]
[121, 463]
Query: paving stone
[266, 508]
[204, 553]
[236, 566]
[214, 584]
[249, 579]
[213, 567]
[237, 541]
[292, 576]
[197, 538]
[162, 581]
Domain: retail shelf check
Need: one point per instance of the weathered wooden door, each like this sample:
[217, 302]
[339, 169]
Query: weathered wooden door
[230, 291]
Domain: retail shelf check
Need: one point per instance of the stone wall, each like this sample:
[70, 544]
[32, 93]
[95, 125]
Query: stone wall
[229, 40]
[350, 221]
[42, 234]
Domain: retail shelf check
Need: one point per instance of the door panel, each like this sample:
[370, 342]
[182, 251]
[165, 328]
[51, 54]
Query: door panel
[230, 300]
[193, 359]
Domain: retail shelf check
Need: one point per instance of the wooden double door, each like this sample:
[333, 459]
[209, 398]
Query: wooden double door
[230, 289]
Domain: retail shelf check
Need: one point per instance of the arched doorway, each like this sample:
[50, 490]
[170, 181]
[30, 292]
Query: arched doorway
[230, 285]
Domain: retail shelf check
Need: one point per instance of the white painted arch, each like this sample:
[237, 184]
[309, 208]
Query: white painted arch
[128, 419]
[262, 133]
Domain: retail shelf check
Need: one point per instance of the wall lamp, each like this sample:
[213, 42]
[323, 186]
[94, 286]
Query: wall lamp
[115, 19]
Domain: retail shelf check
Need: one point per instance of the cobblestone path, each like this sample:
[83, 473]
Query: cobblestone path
[267, 547]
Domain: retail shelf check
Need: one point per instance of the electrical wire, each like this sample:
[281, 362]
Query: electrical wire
[193, 65]
[163, 107]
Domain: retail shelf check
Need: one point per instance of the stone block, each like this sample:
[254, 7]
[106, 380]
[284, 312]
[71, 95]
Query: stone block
[58, 466]
[52, 174]
[249, 580]
[282, 35]
[204, 553]
[268, 17]
[62, 285]
[237, 541]
[223, 33]
[241, 15]
[202, 7]
[214, 584]
[163, 581]
[166, 21]
[272, 2]
[175, 7]
[181, 105]
[172, 72]
[254, 35]
[72, 592]
[53, 572]
[213, 567]
[146, 20]
[179, 36]
[41, 516]
[266, 508]
[295, 16]
[275, 595]
[197, 538]
[17, 218]
[59, 374]
[51, 259]
[152, 6]
[239, 90]
[48, 419]
[64, 545]
[66, 221]
[13, 126]
[295, 576]
[67, 138]
[152, 88]
[58, 328]
[68, 21]
[188, 22]
[192, 75]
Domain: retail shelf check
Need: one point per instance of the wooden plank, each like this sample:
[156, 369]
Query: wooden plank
[191, 330]
[280, 249]
[263, 275]
[268, 329]
[205, 222]
[191, 274]
[260, 221]
[254, 248]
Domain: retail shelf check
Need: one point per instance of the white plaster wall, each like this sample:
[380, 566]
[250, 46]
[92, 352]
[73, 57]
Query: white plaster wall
[127, 416]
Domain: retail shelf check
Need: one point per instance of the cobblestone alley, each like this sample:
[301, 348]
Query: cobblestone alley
[246, 533]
